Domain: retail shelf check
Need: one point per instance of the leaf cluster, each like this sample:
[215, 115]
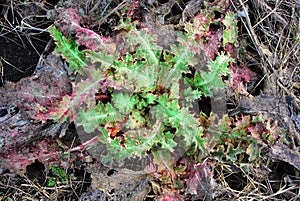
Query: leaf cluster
[150, 98]
[140, 96]
[241, 139]
[57, 175]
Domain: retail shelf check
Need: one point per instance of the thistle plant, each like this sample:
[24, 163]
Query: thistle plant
[140, 96]
[136, 93]
[150, 96]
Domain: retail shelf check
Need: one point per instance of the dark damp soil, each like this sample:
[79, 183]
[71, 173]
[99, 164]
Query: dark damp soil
[21, 46]
[20, 54]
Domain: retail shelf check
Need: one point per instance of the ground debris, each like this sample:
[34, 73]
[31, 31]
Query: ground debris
[42, 90]
[119, 185]
[284, 153]
[279, 110]
[273, 107]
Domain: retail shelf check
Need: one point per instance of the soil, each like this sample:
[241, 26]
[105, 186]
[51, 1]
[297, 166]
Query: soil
[18, 56]
[21, 50]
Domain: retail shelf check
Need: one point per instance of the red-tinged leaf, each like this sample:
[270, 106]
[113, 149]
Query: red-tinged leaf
[165, 161]
[212, 46]
[40, 93]
[69, 22]
[200, 183]
[170, 196]
[85, 90]
[46, 151]
[240, 75]
[61, 111]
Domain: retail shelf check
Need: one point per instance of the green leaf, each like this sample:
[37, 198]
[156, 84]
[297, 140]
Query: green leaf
[199, 83]
[191, 95]
[253, 151]
[50, 183]
[149, 97]
[230, 33]
[124, 102]
[136, 120]
[69, 50]
[186, 125]
[220, 65]
[100, 115]
[175, 91]
[167, 142]
[212, 80]
[147, 48]
[183, 58]
[136, 76]
[101, 60]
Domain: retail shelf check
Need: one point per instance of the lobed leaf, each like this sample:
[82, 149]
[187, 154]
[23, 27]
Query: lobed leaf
[68, 49]
[230, 33]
